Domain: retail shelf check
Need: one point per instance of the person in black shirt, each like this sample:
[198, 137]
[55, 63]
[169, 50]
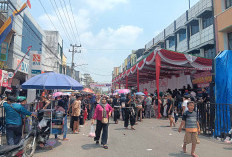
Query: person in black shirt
[116, 106]
[170, 105]
[129, 112]
[122, 104]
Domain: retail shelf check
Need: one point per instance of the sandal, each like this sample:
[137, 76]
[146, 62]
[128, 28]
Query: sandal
[105, 146]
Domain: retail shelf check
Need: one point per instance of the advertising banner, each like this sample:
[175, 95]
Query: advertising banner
[92, 85]
[4, 78]
[202, 79]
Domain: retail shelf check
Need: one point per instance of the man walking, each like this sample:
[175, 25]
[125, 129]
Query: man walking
[148, 102]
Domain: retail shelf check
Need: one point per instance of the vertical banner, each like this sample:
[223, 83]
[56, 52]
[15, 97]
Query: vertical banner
[157, 66]
[1, 77]
[4, 78]
[35, 68]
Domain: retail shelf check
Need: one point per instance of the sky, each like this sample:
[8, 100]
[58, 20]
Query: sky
[108, 30]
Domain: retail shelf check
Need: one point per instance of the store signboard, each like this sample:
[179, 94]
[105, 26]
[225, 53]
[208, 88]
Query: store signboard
[35, 63]
[23, 67]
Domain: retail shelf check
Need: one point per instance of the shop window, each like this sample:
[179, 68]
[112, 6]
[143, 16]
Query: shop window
[228, 3]
[230, 40]
[182, 35]
[171, 42]
[194, 28]
[207, 21]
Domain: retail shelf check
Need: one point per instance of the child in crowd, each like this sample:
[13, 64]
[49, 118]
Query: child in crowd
[192, 128]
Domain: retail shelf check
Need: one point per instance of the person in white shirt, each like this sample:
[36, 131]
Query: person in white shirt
[185, 102]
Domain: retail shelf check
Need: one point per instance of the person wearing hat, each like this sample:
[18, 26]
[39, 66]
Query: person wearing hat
[14, 112]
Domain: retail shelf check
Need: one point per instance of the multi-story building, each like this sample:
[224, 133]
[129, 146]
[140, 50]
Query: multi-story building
[87, 80]
[54, 52]
[192, 32]
[223, 24]
[64, 64]
[26, 32]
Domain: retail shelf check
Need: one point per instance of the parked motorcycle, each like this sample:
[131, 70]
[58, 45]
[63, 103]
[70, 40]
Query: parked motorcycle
[13, 150]
[38, 135]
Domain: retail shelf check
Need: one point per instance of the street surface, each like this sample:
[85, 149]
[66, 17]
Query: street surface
[152, 138]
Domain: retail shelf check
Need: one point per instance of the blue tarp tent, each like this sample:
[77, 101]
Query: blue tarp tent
[223, 80]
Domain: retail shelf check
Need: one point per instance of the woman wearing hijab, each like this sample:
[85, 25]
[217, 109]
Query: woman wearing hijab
[102, 113]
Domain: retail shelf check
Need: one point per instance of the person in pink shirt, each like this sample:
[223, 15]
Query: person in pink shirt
[102, 113]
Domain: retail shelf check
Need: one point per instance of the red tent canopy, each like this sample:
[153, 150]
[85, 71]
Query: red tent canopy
[160, 64]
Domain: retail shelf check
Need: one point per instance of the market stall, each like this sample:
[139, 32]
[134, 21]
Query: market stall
[163, 64]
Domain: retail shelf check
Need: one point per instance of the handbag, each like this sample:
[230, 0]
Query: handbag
[104, 120]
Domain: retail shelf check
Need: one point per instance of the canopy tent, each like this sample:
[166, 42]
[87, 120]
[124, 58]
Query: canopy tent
[161, 64]
[223, 92]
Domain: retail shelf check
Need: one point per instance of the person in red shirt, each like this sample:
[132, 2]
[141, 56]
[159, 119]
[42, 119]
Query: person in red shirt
[146, 92]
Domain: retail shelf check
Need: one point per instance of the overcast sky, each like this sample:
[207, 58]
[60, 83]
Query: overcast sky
[108, 29]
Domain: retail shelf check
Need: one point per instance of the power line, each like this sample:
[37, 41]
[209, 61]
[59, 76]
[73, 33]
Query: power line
[60, 20]
[49, 17]
[47, 14]
[74, 22]
[71, 26]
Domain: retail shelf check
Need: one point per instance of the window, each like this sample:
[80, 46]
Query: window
[171, 42]
[228, 3]
[209, 52]
[194, 27]
[230, 40]
[207, 21]
[182, 35]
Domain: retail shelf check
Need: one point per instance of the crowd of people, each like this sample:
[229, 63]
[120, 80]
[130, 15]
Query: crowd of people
[130, 108]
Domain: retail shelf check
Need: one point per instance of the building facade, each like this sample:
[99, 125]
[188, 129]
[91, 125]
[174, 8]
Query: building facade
[192, 32]
[223, 24]
[54, 53]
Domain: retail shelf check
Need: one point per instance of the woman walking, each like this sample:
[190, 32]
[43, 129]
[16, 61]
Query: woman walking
[170, 109]
[102, 113]
[129, 113]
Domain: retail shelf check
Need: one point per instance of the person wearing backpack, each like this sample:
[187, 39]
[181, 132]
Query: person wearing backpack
[101, 114]
[14, 112]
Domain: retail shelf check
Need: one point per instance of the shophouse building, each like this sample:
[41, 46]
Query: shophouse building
[223, 24]
[26, 32]
[192, 32]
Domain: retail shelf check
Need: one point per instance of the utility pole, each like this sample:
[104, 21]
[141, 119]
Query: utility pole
[189, 4]
[73, 52]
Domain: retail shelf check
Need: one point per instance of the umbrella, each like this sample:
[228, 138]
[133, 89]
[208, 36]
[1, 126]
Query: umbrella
[116, 91]
[139, 93]
[57, 94]
[52, 81]
[87, 90]
[124, 91]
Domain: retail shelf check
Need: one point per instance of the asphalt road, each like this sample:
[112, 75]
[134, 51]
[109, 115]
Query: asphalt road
[152, 138]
